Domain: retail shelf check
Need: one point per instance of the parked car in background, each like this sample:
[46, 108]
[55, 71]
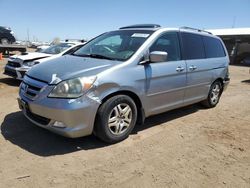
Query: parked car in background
[6, 35]
[123, 76]
[18, 65]
[246, 60]
[41, 48]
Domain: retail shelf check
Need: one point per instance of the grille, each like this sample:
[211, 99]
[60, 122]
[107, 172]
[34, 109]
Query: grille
[13, 64]
[10, 73]
[31, 87]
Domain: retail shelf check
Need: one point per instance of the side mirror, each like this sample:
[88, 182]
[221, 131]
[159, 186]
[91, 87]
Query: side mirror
[155, 57]
[158, 56]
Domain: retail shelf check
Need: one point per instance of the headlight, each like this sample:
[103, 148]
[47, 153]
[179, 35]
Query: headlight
[72, 88]
[30, 63]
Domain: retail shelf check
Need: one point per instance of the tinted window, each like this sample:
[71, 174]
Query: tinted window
[193, 47]
[168, 43]
[213, 47]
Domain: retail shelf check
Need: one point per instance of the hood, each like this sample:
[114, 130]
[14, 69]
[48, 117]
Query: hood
[48, 58]
[68, 66]
[29, 56]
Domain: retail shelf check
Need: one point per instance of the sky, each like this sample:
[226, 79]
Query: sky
[77, 19]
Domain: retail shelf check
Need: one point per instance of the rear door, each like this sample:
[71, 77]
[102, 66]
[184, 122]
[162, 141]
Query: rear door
[165, 81]
[199, 71]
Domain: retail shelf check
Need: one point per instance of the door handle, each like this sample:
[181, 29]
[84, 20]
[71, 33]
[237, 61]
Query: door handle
[180, 69]
[192, 68]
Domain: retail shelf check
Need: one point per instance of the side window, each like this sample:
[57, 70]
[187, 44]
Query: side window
[168, 43]
[193, 47]
[213, 47]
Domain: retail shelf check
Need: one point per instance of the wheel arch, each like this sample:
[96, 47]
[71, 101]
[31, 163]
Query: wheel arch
[221, 81]
[135, 98]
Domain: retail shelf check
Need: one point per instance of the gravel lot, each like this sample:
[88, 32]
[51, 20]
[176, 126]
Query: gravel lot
[188, 147]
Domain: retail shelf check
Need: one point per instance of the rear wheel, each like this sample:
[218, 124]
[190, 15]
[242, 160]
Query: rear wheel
[213, 95]
[115, 119]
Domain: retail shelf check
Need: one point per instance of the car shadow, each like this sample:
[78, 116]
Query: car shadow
[246, 81]
[167, 117]
[21, 132]
[10, 81]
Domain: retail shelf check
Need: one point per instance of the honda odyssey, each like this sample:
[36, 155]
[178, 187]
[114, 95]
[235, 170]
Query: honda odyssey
[121, 77]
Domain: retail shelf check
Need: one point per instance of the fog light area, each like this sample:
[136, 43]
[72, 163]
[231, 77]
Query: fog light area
[59, 124]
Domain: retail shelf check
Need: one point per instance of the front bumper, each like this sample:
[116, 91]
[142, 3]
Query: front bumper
[225, 83]
[77, 116]
[17, 73]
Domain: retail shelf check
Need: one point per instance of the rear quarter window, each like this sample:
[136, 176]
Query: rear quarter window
[193, 47]
[213, 47]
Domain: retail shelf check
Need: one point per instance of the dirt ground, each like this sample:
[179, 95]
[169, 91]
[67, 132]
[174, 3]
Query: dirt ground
[188, 147]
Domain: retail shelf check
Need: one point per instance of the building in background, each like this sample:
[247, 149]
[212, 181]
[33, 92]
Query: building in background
[237, 41]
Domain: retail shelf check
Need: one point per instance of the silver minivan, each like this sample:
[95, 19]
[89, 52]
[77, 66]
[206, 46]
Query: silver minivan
[121, 77]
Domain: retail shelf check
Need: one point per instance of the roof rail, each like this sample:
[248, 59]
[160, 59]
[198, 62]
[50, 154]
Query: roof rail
[194, 29]
[141, 26]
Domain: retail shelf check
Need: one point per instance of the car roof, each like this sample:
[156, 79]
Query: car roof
[155, 27]
[141, 26]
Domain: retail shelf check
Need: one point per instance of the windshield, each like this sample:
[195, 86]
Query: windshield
[116, 45]
[58, 48]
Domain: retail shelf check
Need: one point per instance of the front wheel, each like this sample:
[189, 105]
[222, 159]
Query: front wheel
[4, 41]
[115, 119]
[213, 95]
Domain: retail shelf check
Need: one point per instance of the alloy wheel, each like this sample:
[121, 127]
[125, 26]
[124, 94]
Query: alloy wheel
[215, 94]
[120, 119]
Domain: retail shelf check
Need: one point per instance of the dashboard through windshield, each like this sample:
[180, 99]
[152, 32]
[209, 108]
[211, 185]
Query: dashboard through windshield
[116, 45]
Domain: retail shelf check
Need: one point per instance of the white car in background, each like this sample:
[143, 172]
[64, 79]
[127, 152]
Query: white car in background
[42, 47]
[18, 65]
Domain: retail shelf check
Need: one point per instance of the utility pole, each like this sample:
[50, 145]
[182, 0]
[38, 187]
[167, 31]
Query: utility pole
[234, 20]
[28, 34]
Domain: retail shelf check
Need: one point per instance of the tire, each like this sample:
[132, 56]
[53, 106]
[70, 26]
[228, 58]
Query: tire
[5, 41]
[115, 119]
[214, 95]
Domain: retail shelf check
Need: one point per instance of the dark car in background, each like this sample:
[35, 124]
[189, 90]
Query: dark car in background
[6, 35]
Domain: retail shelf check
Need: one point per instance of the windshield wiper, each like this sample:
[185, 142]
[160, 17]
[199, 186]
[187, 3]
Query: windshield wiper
[98, 56]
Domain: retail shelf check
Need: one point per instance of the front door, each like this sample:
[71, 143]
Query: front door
[165, 81]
